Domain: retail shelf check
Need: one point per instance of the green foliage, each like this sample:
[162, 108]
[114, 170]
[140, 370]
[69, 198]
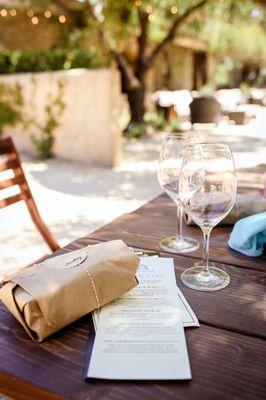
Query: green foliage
[11, 103]
[235, 27]
[5, 62]
[8, 116]
[120, 21]
[53, 111]
[245, 89]
[175, 126]
[223, 71]
[207, 90]
[82, 59]
[135, 131]
[11, 113]
[156, 120]
[44, 145]
[39, 61]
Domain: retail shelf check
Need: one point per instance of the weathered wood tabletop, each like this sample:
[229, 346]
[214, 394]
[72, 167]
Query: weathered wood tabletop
[227, 353]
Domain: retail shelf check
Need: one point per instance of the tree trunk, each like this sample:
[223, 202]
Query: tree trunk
[136, 103]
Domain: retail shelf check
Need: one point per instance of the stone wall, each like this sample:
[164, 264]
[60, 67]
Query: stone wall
[88, 128]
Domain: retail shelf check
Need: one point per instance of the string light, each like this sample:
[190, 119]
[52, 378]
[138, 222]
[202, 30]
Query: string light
[174, 10]
[149, 9]
[30, 13]
[138, 3]
[47, 14]
[62, 19]
[13, 12]
[35, 20]
[3, 12]
[151, 17]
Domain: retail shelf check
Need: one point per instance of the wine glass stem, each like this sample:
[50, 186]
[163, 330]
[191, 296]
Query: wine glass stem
[206, 235]
[180, 221]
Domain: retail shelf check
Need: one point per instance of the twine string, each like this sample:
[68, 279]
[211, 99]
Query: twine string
[92, 284]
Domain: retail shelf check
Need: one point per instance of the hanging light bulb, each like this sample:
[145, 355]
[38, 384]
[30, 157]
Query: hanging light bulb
[3, 12]
[138, 3]
[151, 17]
[30, 13]
[13, 12]
[62, 19]
[173, 10]
[149, 9]
[47, 14]
[35, 20]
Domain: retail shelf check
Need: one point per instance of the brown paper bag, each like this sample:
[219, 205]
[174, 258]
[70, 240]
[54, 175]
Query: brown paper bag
[46, 297]
[246, 204]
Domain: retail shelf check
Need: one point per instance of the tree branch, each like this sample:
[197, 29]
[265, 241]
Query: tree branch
[132, 82]
[171, 34]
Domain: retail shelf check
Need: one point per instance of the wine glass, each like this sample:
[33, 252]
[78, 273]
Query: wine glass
[207, 191]
[170, 162]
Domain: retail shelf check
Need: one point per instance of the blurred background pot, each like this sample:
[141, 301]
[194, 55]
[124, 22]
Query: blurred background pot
[205, 110]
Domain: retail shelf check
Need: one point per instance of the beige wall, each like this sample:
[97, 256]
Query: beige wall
[88, 129]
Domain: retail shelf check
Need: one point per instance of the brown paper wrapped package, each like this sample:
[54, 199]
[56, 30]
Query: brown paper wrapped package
[46, 297]
[246, 204]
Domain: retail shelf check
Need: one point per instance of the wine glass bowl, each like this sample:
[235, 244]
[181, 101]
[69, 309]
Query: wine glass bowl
[207, 191]
[170, 163]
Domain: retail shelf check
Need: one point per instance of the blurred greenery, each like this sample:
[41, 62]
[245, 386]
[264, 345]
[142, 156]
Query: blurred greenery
[157, 121]
[232, 27]
[11, 103]
[8, 116]
[135, 131]
[53, 60]
[175, 126]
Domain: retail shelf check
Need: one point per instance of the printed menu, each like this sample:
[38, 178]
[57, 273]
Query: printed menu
[140, 336]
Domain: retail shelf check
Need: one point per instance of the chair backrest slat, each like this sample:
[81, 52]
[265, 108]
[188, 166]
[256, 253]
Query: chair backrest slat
[5, 148]
[9, 164]
[12, 163]
[12, 199]
[17, 180]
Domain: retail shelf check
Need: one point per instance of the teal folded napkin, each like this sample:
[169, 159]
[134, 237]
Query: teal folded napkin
[249, 235]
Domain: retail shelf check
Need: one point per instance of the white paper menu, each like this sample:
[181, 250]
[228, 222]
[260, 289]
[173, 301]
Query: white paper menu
[140, 336]
[189, 318]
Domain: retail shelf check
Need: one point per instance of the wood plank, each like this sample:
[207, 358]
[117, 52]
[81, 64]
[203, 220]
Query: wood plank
[9, 164]
[157, 219]
[17, 180]
[223, 309]
[12, 199]
[239, 307]
[220, 363]
[5, 148]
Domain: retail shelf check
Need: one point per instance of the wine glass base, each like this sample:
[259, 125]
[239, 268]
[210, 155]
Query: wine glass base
[196, 278]
[174, 244]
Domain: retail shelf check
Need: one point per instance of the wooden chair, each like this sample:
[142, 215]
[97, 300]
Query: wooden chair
[12, 162]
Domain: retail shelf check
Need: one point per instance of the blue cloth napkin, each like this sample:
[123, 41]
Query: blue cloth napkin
[249, 235]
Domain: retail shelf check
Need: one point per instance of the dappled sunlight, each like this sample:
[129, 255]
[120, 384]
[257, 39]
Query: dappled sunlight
[76, 199]
[256, 306]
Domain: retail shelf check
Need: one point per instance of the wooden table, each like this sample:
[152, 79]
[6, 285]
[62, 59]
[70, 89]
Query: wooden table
[227, 353]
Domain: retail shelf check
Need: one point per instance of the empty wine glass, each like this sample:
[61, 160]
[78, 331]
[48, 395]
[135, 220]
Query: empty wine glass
[170, 162]
[207, 191]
